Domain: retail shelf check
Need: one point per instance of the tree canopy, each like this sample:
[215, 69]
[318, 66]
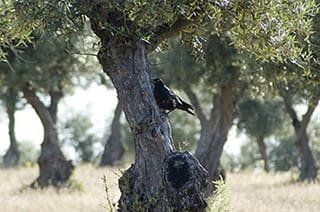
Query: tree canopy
[276, 30]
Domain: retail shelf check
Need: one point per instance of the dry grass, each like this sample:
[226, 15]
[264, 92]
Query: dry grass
[92, 198]
[272, 192]
[249, 192]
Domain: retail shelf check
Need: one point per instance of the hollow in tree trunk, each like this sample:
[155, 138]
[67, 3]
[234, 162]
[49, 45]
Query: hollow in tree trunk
[54, 168]
[263, 152]
[113, 149]
[11, 158]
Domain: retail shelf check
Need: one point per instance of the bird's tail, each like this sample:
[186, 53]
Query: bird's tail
[186, 107]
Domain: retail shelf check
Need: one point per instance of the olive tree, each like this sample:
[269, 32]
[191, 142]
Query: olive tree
[9, 97]
[261, 119]
[45, 71]
[114, 148]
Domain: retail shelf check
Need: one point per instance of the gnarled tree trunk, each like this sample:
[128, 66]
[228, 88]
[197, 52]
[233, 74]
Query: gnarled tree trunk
[54, 168]
[11, 158]
[160, 178]
[210, 150]
[113, 149]
[263, 152]
[215, 129]
[308, 167]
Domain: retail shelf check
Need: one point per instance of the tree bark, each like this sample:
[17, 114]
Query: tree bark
[113, 149]
[263, 152]
[308, 167]
[160, 178]
[54, 168]
[11, 158]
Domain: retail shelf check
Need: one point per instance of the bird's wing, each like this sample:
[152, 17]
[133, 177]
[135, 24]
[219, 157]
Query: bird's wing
[172, 97]
[172, 94]
[184, 103]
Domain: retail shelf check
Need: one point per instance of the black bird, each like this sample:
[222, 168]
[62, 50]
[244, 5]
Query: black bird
[167, 99]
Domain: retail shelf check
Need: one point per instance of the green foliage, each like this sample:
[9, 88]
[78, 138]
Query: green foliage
[74, 185]
[221, 201]
[284, 154]
[272, 29]
[15, 30]
[261, 118]
[28, 153]
[184, 67]
[268, 29]
[249, 155]
[75, 131]
[47, 66]
[180, 63]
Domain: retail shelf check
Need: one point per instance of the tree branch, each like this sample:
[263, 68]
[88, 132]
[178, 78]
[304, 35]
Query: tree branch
[307, 116]
[36, 103]
[55, 97]
[214, 112]
[117, 114]
[194, 101]
[165, 31]
[292, 113]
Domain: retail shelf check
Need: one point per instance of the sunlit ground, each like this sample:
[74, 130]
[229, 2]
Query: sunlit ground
[248, 192]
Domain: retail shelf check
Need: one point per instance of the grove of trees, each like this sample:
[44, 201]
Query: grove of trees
[226, 57]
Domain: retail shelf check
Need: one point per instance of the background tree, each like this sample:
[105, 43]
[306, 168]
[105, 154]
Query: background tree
[10, 98]
[29, 153]
[114, 149]
[284, 79]
[261, 119]
[284, 155]
[76, 132]
[308, 168]
[315, 138]
[249, 157]
[46, 68]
